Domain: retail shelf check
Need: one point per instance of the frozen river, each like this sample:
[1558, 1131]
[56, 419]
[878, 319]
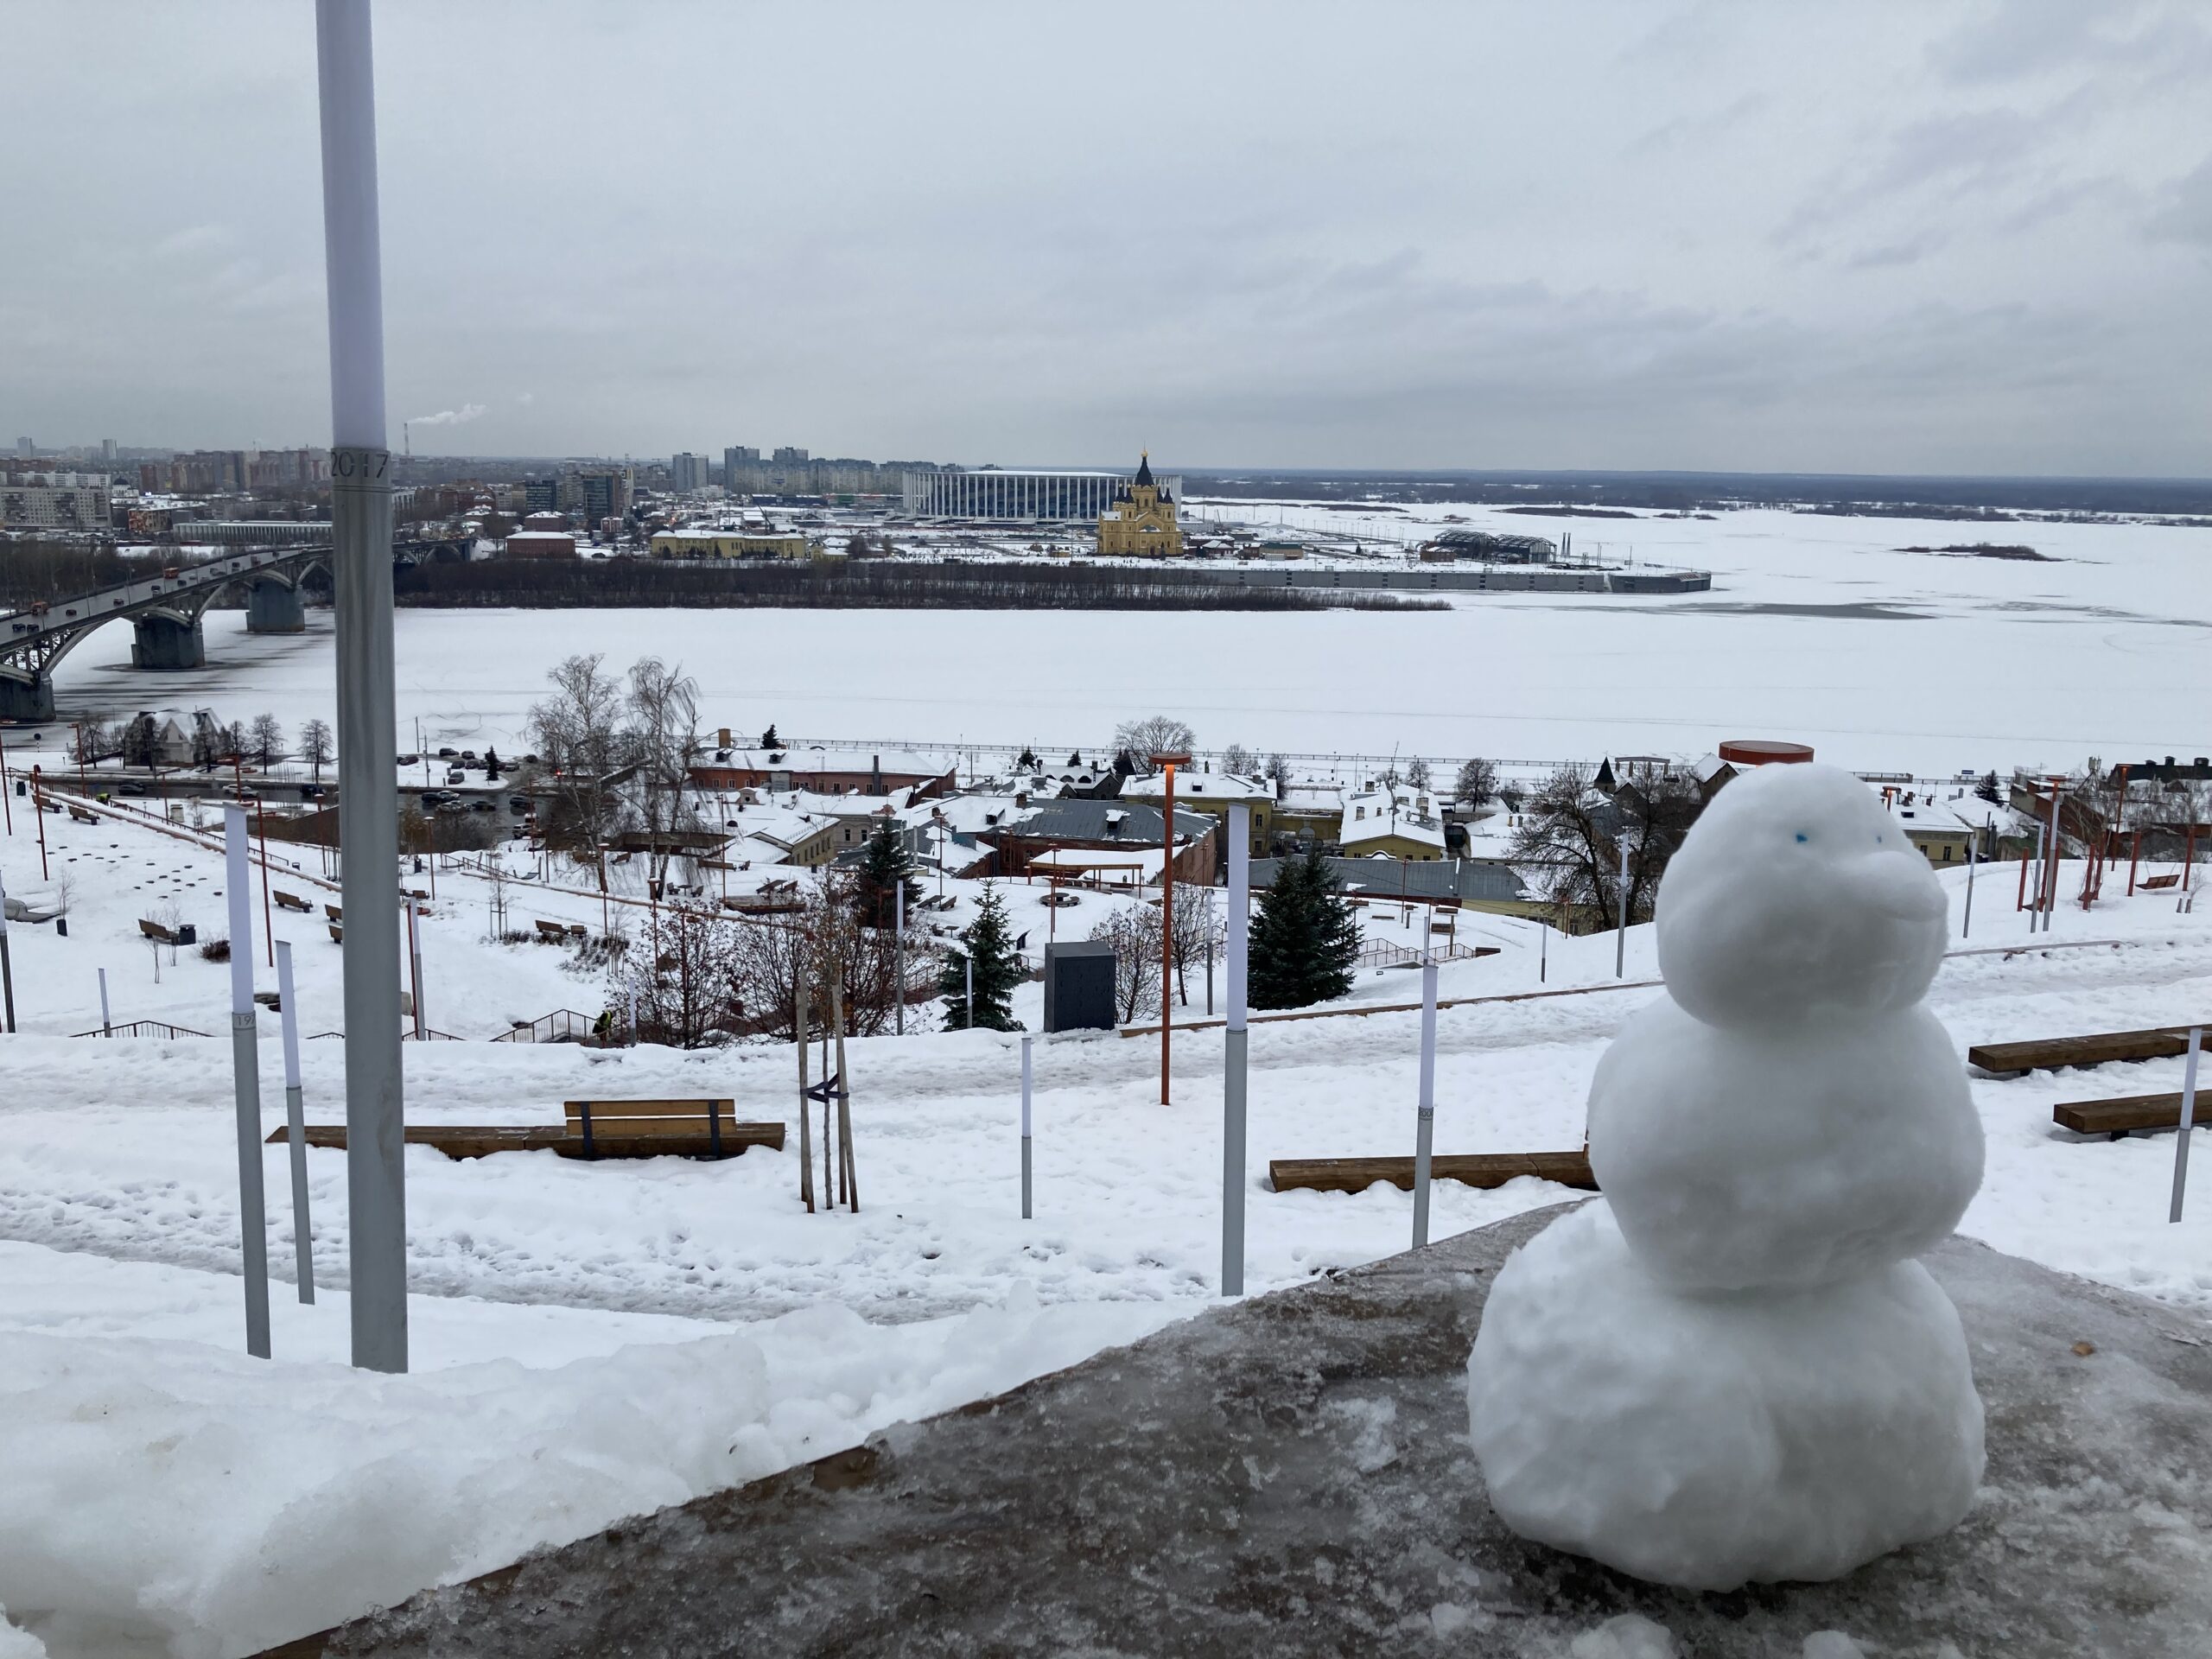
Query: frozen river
[1818, 629]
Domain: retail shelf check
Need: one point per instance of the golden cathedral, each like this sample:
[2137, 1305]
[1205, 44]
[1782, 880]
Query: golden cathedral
[1140, 519]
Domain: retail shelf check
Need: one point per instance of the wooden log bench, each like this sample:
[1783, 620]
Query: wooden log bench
[2128, 1114]
[289, 901]
[1471, 1169]
[2101, 1048]
[661, 1128]
[618, 1140]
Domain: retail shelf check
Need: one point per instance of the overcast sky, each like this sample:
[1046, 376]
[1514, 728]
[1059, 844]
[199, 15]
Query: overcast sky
[1882, 238]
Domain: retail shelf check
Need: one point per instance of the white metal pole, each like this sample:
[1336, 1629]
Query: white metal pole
[2058, 859]
[967, 960]
[2188, 1121]
[245, 1071]
[107, 1025]
[368, 806]
[1425, 1128]
[899, 940]
[295, 1128]
[1026, 1041]
[1620, 938]
[1233, 1053]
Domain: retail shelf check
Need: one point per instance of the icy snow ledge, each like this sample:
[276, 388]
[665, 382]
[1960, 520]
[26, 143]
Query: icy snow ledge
[1293, 1476]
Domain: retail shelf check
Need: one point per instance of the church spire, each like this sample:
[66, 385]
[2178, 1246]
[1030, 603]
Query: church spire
[1144, 468]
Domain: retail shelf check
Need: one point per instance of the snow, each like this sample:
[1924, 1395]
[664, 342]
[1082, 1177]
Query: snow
[1729, 1368]
[1627, 1635]
[1819, 629]
[168, 1495]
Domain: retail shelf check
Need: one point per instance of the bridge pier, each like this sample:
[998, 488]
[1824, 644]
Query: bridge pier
[30, 700]
[273, 606]
[165, 641]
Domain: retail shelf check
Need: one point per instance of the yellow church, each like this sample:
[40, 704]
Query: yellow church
[1140, 519]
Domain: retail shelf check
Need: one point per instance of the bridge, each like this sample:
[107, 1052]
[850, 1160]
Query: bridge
[165, 610]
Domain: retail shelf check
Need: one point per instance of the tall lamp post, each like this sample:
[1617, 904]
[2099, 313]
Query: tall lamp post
[368, 803]
[1167, 763]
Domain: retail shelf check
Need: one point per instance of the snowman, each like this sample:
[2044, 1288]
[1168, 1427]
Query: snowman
[1730, 1368]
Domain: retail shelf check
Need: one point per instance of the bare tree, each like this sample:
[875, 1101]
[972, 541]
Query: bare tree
[578, 732]
[1153, 735]
[1134, 934]
[315, 745]
[1571, 834]
[1417, 772]
[825, 940]
[1239, 761]
[662, 737]
[265, 740]
[1477, 784]
[679, 975]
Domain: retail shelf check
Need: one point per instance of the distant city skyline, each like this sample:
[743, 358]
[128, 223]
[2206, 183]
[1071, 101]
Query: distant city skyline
[1885, 238]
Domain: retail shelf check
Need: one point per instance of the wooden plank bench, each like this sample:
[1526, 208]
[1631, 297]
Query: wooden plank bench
[2127, 1113]
[289, 901]
[2101, 1048]
[657, 1128]
[336, 912]
[1471, 1169]
[84, 815]
[2154, 882]
[551, 931]
[482, 1140]
[155, 931]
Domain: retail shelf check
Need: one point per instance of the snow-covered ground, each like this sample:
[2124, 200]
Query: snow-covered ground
[1818, 628]
[593, 1339]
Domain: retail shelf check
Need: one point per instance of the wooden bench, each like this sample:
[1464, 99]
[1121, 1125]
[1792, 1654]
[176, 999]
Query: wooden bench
[482, 1140]
[2049, 1054]
[338, 932]
[84, 815]
[655, 1128]
[1471, 1169]
[551, 931]
[336, 912]
[155, 931]
[289, 901]
[2127, 1113]
[2155, 882]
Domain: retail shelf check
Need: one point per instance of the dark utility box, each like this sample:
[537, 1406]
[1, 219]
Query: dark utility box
[1079, 986]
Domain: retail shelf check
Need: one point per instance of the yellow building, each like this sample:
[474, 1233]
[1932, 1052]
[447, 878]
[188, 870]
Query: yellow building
[729, 544]
[1140, 520]
[1213, 793]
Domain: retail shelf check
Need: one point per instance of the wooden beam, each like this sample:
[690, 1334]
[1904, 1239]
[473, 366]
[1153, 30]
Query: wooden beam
[481, 1140]
[2098, 1048]
[2126, 1114]
[1471, 1169]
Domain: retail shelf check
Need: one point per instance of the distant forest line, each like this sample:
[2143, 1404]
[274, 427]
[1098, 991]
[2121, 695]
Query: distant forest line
[555, 584]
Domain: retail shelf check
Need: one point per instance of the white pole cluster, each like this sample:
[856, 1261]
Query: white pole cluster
[1233, 1053]
[246, 1068]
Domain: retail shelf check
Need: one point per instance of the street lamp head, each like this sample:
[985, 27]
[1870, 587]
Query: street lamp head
[1165, 759]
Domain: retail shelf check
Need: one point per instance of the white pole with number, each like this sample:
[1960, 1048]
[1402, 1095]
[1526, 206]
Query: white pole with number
[1025, 1042]
[1425, 1122]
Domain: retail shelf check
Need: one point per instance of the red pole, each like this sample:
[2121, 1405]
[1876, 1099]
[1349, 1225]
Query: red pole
[5, 810]
[2188, 854]
[2134, 852]
[38, 811]
[2021, 899]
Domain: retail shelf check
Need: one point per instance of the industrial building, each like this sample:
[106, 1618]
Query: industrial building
[995, 492]
[1488, 547]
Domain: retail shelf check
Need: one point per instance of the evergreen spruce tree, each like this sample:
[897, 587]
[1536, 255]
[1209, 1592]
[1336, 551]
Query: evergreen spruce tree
[885, 866]
[1304, 940]
[768, 738]
[1986, 790]
[999, 969]
[491, 766]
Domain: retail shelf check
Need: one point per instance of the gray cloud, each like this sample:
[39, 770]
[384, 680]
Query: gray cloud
[1862, 237]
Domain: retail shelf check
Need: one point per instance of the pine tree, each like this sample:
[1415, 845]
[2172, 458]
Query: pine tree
[491, 766]
[1986, 790]
[1304, 940]
[999, 969]
[768, 740]
[885, 866]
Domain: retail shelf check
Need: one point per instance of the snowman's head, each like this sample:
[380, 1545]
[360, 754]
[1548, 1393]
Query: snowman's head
[1796, 894]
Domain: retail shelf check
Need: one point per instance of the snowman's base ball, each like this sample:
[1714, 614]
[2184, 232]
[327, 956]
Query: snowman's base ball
[1710, 1439]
